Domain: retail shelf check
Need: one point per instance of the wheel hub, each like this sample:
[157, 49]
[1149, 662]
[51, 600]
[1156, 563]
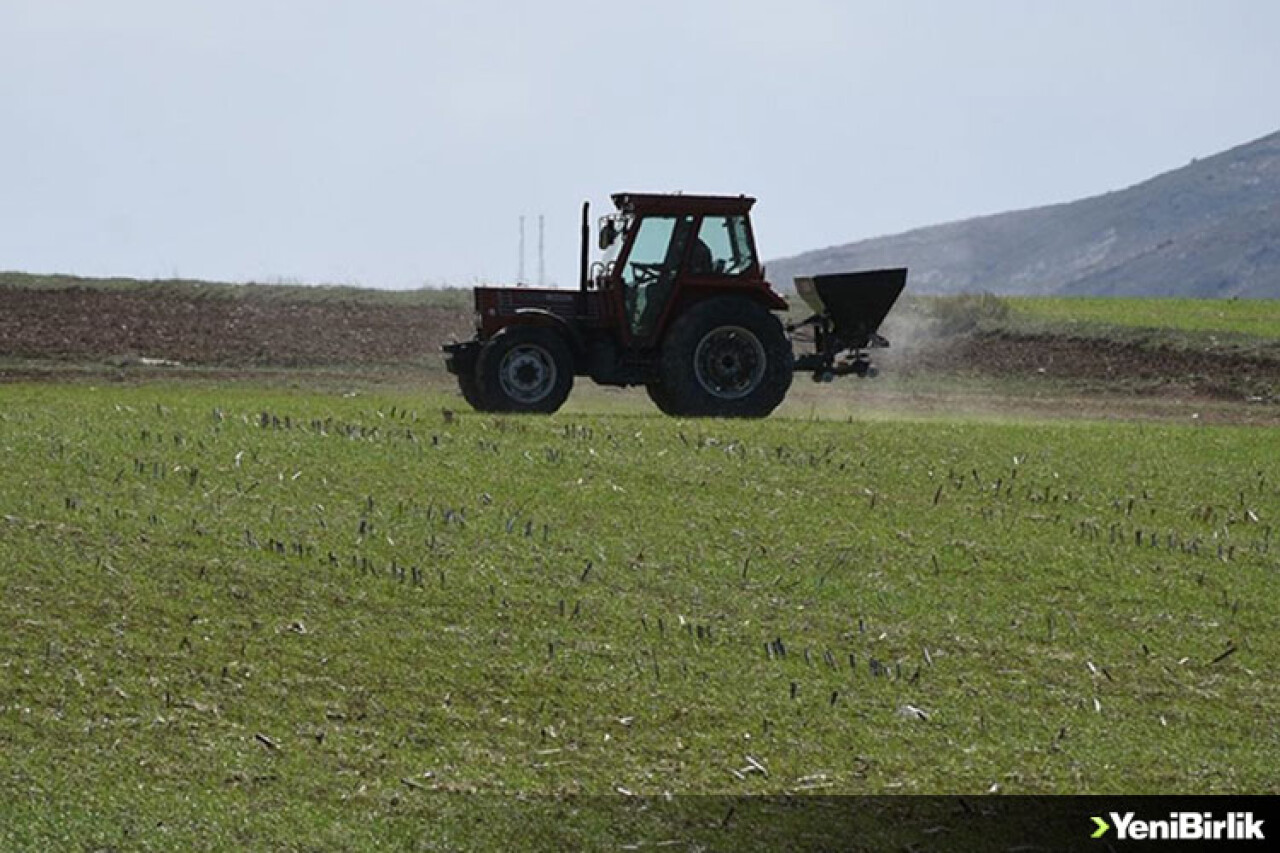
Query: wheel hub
[527, 373]
[729, 362]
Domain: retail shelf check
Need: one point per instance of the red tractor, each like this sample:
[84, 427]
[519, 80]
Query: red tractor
[678, 303]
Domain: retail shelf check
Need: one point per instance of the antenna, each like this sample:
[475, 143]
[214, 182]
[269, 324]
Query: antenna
[542, 251]
[520, 271]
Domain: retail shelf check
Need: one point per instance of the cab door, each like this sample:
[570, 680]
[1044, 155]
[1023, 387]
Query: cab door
[650, 271]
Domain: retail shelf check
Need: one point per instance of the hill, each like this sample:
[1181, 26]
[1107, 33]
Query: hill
[1209, 229]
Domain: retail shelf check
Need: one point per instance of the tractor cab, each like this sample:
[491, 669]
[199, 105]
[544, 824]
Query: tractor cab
[663, 250]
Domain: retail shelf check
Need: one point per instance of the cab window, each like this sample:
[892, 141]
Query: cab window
[728, 250]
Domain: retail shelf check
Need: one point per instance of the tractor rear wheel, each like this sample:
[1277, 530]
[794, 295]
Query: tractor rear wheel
[725, 357]
[526, 369]
[658, 394]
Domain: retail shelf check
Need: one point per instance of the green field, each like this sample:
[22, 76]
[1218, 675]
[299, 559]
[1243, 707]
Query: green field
[244, 618]
[1258, 318]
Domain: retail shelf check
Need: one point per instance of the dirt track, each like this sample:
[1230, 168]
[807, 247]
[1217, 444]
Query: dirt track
[254, 333]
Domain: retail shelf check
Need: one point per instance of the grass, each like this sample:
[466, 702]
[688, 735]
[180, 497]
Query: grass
[268, 618]
[1256, 318]
[1252, 324]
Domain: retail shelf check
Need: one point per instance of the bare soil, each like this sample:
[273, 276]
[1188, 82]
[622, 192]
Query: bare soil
[1121, 366]
[87, 325]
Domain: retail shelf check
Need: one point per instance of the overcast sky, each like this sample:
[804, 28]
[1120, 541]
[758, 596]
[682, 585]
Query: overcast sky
[393, 143]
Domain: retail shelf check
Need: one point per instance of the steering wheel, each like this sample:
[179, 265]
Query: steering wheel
[646, 273]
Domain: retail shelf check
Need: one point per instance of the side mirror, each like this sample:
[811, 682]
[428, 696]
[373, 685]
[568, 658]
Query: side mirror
[608, 233]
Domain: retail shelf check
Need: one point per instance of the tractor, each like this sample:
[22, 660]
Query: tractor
[678, 302]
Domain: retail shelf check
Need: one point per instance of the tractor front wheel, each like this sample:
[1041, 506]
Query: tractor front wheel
[725, 357]
[469, 385]
[525, 369]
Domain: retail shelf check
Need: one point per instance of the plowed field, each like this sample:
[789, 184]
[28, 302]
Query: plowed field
[81, 324]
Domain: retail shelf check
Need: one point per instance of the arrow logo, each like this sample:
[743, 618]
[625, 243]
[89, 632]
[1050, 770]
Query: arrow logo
[1103, 826]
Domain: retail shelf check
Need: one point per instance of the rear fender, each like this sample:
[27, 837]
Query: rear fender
[691, 296]
[547, 319]
[757, 291]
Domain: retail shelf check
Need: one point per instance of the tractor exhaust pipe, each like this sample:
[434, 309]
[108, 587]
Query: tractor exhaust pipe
[584, 258]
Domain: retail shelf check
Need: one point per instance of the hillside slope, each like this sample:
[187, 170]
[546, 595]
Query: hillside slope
[1209, 229]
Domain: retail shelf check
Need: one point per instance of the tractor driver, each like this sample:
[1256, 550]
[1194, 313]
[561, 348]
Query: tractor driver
[700, 262]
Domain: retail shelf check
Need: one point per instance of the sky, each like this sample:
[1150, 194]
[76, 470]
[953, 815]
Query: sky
[397, 143]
